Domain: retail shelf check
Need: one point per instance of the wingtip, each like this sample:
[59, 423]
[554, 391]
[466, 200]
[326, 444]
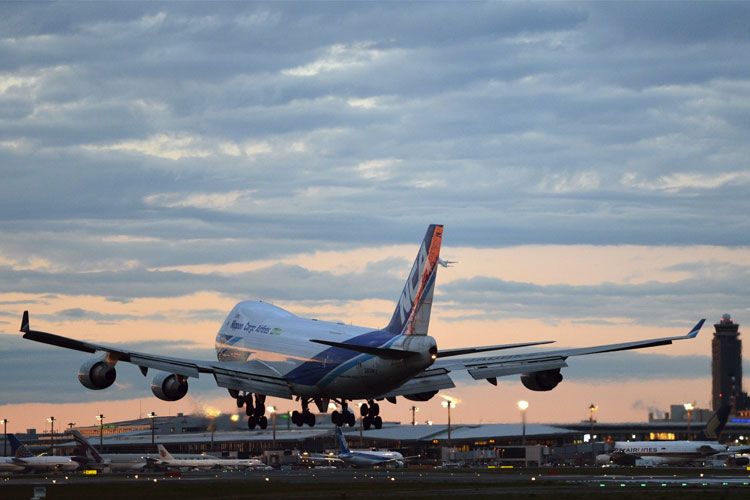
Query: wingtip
[25, 322]
[694, 332]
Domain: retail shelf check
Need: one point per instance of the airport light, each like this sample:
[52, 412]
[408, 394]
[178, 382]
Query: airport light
[449, 405]
[592, 410]
[152, 416]
[523, 406]
[414, 411]
[100, 418]
[51, 420]
[5, 432]
[689, 409]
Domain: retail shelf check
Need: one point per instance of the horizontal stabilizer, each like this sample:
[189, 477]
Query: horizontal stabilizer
[444, 353]
[375, 351]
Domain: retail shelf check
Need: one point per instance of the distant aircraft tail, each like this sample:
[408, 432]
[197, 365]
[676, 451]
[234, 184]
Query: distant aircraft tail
[343, 446]
[86, 448]
[163, 453]
[17, 448]
[715, 425]
[412, 314]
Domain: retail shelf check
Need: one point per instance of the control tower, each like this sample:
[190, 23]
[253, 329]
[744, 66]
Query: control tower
[726, 362]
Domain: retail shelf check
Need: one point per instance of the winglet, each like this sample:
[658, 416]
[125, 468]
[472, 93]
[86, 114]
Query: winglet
[25, 322]
[694, 332]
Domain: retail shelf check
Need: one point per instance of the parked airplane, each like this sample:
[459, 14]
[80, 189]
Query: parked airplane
[42, 463]
[205, 461]
[367, 458]
[652, 453]
[263, 350]
[113, 462]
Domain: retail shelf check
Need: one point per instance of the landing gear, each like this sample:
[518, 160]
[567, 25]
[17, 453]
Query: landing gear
[370, 415]
[344, 418]
[255, 407]
[304, 417]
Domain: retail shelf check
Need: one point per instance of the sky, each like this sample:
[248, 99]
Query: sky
[162, 161]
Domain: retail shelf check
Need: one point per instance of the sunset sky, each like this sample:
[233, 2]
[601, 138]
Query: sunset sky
[162, 161]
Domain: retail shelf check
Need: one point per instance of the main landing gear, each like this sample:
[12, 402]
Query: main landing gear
[305, 417]
[255, 409]
[370, 415]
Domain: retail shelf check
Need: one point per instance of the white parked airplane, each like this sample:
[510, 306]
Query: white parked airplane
[651, 453]
[263, 350]
[113, 462]
[42, 463]
[367, 458]
[205, 461]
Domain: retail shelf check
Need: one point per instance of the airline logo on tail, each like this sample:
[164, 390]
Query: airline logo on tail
[342, 442]
[88, 450]
[417, 292]
[715, 425]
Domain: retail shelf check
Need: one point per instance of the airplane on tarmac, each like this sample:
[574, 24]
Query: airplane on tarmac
[205, 461]
[42, 463]
[367, 458]
[651, 453]
[263, 350]
[113, 462]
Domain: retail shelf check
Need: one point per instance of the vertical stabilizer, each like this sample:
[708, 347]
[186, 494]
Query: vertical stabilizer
[88, 450]
[343, 446]
[163, 453]
[715, 425]
[17, 448]
[412, 314]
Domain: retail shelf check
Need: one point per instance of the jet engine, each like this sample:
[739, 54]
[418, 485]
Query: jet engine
[422, 396]
[169, 386]
[542, 381]
[97, 374]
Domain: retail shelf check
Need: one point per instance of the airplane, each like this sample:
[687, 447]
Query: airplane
[263, 350]
[166, 459]
[367, 458]
[113, 462]
[651, 453]
[45, 463]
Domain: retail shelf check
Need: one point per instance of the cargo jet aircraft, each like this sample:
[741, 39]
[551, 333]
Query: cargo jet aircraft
[263, 350]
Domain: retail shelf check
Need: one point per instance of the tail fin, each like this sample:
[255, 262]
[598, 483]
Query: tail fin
[17, 448]
[163, 453]
[715, 424]
[88, 450]
[342, 441]
[412, 314]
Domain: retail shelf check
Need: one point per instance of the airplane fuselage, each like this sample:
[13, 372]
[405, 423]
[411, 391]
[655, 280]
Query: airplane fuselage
[257, 331]
[671, 452]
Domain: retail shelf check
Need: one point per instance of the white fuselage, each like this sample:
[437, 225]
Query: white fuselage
[47, 463]
[366, 458]
[670, 452]
[281, 340]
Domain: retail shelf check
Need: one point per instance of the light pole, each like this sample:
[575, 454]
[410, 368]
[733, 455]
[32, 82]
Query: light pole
[449, 405]
[414, 411]
[152, 416]
[5, 433]
[688, 408]
[272, 411]
[100, 418]
[592, 410]
[51, 420]
[523, 406]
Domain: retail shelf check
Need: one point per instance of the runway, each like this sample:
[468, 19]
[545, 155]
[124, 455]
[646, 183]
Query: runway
[377, 484]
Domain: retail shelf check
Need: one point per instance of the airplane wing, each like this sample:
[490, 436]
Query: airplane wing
[254, 376]
[490, 367]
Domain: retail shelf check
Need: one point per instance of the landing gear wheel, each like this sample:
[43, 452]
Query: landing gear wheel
[240, 401]
[364, 409]
[377, 422]
[251, 423]
[249, 410]
[309, 419]
[374, 409]
[336, 418]
[297, 418]
[263, 422]
[350, 418]
[367, 423]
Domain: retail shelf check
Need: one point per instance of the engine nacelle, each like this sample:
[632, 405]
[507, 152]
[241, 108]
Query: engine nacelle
[97, 374]
[169, 386]
[542, 381]
[422, 396]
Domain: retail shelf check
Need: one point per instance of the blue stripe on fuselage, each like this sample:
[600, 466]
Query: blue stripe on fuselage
[333, 361]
